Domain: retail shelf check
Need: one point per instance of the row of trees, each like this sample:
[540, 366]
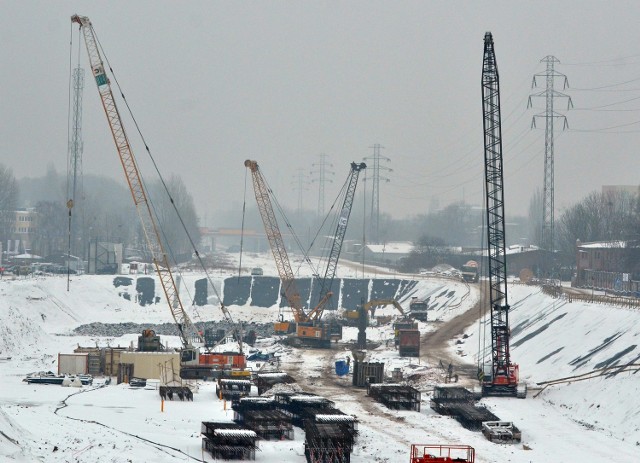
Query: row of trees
[103, 211]
[8, 201]
[611, 216]
[607, 216]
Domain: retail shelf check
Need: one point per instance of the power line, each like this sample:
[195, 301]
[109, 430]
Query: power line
[321, 170]
[550, 115]
[375, 200]
[300, 185]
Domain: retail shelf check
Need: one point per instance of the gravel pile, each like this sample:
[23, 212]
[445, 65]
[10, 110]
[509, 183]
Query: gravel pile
[164, 329]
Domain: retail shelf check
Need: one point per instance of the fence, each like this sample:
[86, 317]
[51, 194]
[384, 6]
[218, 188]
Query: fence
[570, 295]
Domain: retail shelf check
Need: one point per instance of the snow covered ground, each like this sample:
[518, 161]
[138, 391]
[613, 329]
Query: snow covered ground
[593, 420]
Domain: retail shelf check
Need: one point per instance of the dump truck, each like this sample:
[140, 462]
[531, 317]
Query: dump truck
[470, 271]
[409, 343]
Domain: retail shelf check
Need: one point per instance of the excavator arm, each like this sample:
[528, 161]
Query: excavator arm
[373, 304]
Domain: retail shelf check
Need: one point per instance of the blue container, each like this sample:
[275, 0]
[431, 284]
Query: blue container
[341, 368]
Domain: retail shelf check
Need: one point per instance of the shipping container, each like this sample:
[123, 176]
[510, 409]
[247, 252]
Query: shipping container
[148, 365]
[73, 364]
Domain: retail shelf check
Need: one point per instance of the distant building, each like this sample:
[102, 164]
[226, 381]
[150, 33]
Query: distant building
[23, 231]
[228, 239]
[607, 264]
[387, 253]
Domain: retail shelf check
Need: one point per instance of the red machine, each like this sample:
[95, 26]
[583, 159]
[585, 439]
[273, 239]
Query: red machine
[431, 453]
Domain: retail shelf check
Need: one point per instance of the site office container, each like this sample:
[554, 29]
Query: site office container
[409, 343]
[73, 364]
[149, 365]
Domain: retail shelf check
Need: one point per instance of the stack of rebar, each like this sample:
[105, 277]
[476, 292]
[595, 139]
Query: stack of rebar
[395, 396]
[293, 403]
[229, 441]
[328, 442]
[266, 380]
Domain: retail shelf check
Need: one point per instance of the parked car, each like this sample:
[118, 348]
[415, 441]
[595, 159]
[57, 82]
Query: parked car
[257, 271]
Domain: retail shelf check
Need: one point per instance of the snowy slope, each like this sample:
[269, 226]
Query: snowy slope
[554, 338]
[584, 421]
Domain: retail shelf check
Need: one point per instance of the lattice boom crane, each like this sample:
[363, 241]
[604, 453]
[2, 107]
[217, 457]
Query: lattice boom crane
[280, 255]
[502, 376]
[192, 364]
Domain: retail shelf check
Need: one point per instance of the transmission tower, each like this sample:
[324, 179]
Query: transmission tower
[321, 170]
[300, 185]
[549, 115]
[375, 194]
[74, 169]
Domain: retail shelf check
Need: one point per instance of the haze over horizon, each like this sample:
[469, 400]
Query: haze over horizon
[214, 83]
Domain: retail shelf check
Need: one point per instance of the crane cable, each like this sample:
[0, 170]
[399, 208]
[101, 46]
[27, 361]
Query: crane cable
[290, 227]
[333, 223]
[69, 203]
[244, 208]
[184, 227]
[483, 283]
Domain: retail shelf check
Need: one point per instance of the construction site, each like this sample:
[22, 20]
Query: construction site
[339, 362]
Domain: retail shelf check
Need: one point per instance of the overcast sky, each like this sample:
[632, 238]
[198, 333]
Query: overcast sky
[214, 83]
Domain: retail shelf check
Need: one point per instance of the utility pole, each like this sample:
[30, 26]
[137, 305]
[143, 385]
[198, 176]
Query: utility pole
[320, 171]
[375, 194]
[300, 185]
[549, 115]
[74, 168]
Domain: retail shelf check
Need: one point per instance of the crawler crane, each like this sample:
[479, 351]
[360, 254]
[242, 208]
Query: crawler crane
[193, 365]
[501, 377]
[307, 328]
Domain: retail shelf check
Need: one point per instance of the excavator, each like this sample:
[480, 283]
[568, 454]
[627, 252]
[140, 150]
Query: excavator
[307, 328]
[352, 317]
[193, 365]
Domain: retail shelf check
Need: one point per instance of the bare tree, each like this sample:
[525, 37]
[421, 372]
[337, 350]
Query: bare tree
[51, 228]
[598, 217]
[8, 202]
[535, 218]
[173, 227]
